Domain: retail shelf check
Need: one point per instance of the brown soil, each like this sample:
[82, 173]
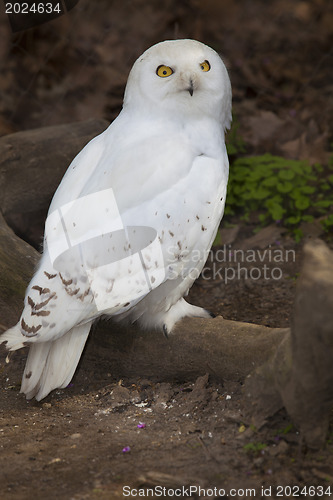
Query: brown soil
[72, 445]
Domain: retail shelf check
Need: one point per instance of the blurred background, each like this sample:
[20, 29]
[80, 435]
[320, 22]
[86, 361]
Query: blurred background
[279, 55]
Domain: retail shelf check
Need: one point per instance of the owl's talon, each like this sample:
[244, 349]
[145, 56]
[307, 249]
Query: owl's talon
[165, 331]
[212, 315]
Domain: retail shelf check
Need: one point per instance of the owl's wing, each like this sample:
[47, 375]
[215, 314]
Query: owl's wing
[104, 247]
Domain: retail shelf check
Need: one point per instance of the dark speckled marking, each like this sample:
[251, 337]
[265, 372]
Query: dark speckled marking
[40, 313]
[72, 292]
[83, 295]
[40, 289]
[65, 282]
[49, 276]
[31, 303]
[45, 302]
[30, 331]
[28, 375]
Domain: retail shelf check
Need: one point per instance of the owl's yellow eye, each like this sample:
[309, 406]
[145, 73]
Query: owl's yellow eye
[164, 71]
[205, 66]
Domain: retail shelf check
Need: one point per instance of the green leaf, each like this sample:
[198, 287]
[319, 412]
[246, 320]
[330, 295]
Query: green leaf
[302, 203]
[307, 169]
[323, 203]
[239, 173]
[276, 199]
[276, 212]
[318, 167]
[286, 174]
[307, 218]
[231, 150]
[328, 222]
[256, 175]
[269, 182]
[325, 186]
[238, 190]
[261, 194]
[298, 234]
[294, 219]
[296, 193]
[284, 187]
[307, 189]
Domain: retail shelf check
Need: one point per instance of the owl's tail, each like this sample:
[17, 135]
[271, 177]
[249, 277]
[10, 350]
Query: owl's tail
[51, 365]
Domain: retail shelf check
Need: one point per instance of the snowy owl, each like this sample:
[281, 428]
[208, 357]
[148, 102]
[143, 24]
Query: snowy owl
[131, 224]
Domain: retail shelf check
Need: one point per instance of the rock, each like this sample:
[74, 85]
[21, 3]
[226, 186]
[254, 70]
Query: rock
[17, 264]
[314, 229]
[120, 396]
[299, 376]
[163, 396]
[308, 393]
[76, 435]
[32, 164]
[263, 238]
[222, 348]
[263, 127]
[229, 234]
[308, 149]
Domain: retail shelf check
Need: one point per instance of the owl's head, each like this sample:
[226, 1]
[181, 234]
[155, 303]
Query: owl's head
[182, 77]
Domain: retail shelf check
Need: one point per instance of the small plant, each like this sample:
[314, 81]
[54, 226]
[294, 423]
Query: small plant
[280, 190]
[286, 430]
[254, 447]
[328, 223]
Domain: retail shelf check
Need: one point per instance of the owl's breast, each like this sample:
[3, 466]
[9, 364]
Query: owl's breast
[186, 216]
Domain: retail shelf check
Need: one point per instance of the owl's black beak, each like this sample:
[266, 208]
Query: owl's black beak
[191, 88]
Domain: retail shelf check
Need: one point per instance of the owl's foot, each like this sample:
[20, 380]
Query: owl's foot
[181, 310]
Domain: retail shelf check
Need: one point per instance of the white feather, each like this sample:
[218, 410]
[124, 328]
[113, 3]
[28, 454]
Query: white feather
[51, 365]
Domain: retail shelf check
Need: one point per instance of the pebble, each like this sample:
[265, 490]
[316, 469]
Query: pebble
[76, 435]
